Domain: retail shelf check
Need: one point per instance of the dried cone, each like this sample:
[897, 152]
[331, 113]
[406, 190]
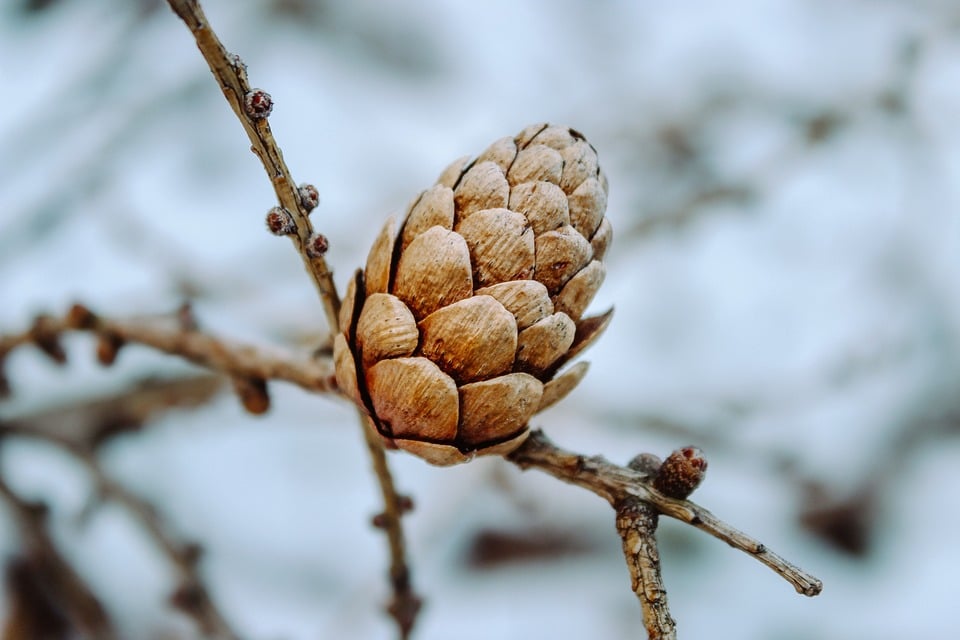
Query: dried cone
[454, 332]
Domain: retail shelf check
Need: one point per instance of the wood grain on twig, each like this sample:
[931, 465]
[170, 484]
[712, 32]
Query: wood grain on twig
[615, 484]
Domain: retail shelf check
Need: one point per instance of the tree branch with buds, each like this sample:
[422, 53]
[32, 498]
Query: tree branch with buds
[291, 218]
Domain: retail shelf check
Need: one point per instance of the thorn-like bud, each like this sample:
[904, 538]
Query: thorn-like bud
[317, 245]
[45, 336]
[253, 394]
[257, 104]
[280, 222]
[108, 346]
[404, 505]
[681, 473]
[80, 317]
[309, 196]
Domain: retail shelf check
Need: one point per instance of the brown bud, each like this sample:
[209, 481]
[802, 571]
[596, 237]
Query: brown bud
[108, 346]
[80, 317]
[455, 333]
[280, 222]
[257, 104]
[681, 473]
[309, 196]
[253, 394]
[317, 245]
[46, 336]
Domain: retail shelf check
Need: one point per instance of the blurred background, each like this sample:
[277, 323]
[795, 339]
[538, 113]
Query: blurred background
[785, 195]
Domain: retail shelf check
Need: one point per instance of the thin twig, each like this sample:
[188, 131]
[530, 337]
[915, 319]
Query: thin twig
[190, 595]
[615, 484]
[177, 334]
[231, 75]
[405, 604]
[637, 526]
[92, 422]
[77, 600]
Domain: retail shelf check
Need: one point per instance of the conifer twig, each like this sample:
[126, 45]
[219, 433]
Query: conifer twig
[616, 484]
[251, 107]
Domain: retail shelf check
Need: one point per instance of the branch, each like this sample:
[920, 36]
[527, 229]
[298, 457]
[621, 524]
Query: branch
[637, 526]
[616, 484]
[252, 106]
[177, 334]
[91, 423]
[190, 596]
[63, 586]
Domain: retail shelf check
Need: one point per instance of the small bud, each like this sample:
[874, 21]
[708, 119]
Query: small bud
[309, 196]
[379, 521]
[108, 346]
[80, 317]
[317, 245]
[253, 394]
[280, 222]
[681, 473]
[405, 503]
[257, 104]
[45, 336]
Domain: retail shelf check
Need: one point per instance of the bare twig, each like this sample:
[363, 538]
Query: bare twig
[406, 604]
[637, 526]
[190, 595]
[615, 484]
[231, 75]
[72, 595]
[176, 334]
[92, 422]
[81, 428]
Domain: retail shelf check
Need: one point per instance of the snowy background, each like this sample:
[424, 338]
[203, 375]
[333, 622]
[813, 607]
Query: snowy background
[785, 195]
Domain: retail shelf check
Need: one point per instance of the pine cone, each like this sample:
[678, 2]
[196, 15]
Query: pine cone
[454, 333]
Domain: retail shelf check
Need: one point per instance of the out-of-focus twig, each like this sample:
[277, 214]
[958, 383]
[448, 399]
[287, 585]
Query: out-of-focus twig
[65, 589]
[79, 429]
[191, 595]
[91, 422]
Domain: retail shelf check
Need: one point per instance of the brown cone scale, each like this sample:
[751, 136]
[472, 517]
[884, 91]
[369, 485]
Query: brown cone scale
[456, 332]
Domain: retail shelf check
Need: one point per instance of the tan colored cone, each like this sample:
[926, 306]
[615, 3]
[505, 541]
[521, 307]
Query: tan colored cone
[454, 334]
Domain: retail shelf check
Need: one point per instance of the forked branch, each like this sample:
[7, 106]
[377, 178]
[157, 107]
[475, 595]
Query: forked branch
[616, 484]
[252, 106]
